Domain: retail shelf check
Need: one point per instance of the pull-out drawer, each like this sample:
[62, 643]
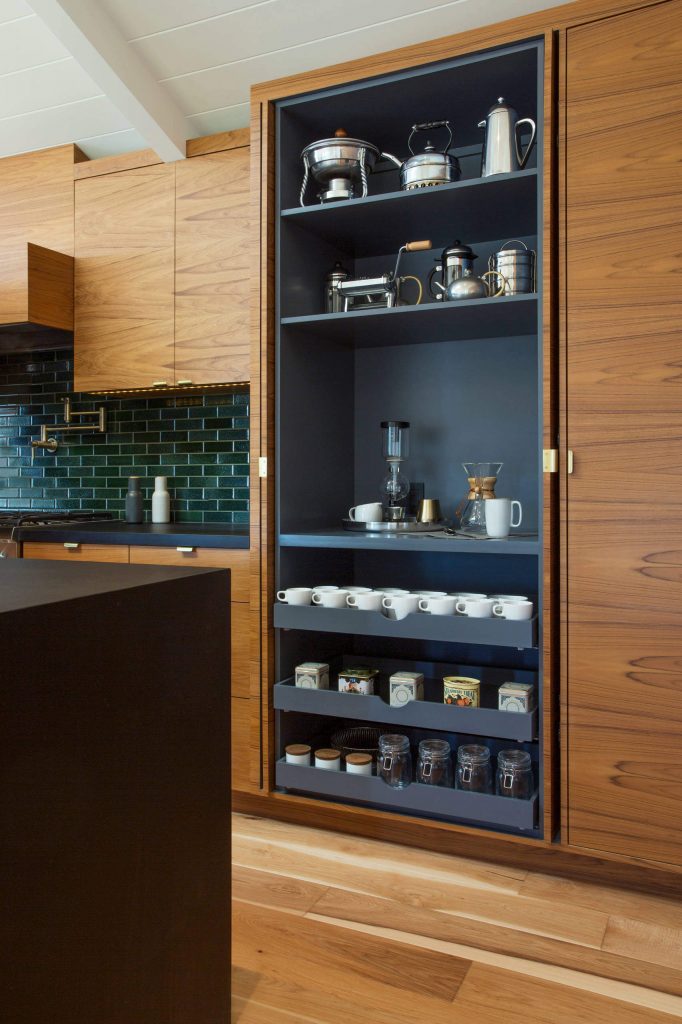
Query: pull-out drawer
[73, 551]
[237, 560]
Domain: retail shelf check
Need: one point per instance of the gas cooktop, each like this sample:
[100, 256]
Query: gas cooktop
[10, 518]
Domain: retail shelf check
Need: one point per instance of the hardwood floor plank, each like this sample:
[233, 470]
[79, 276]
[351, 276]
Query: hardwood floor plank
[337, 904]
[310, 968]
[642, 940]
[489, 995]
[276, 891]
[608, 900]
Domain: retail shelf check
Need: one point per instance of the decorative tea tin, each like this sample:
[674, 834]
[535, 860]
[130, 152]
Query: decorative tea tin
[462, 691]
[312, 675]
[297, 753]
[517, 697]
[358, 680]
[404, 687]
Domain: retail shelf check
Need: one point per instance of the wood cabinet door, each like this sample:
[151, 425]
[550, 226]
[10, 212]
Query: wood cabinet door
[212, 268]
[124, 279]
[36, 205]
[75, 552]
[624, 424]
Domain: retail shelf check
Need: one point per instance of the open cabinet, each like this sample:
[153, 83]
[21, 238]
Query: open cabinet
[471, 378]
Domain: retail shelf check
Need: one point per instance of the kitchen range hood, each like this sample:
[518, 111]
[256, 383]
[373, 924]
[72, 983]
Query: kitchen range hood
[36, 298]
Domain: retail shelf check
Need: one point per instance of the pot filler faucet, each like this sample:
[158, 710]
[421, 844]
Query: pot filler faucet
[51, 443]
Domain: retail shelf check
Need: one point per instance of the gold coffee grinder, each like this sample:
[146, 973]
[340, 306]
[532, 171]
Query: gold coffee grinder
[482, 477]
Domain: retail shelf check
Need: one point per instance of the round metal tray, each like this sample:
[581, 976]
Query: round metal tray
[403, 526]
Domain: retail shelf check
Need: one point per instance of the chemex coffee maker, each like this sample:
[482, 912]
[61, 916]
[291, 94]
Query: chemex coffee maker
[344, 293]
[481, 477]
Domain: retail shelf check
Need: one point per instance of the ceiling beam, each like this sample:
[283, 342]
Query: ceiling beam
[96, 43]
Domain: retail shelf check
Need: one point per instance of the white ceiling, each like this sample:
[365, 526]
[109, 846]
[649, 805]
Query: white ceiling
[205, 54]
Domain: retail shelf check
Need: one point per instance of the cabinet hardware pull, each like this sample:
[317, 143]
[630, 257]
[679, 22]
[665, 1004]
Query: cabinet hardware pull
[569, 460]
[186, 551]
[550, 460]
[72, 545]
[262, 466]
[159, 383]
[183, 382]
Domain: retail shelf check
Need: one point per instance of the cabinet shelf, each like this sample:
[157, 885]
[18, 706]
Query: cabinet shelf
[422, 714]
[458, 629]
[481, 208]
[417, 798]
[443, 544]
[470, 319]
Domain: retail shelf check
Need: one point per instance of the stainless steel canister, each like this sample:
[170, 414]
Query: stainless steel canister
[516, 262]
[333, 301]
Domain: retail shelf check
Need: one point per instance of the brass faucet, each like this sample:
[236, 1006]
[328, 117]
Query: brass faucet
[51, 443]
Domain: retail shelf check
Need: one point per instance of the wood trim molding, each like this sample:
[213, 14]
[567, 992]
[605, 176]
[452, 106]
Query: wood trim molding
[120, 162]
[218, 142]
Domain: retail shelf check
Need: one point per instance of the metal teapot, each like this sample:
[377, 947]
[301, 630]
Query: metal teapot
[468, 286]
[502, 148]
[432, 167]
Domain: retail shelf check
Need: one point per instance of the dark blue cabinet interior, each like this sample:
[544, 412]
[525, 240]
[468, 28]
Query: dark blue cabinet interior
[467, 376]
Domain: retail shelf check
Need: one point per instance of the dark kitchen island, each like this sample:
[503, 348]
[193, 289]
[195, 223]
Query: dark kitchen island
[114, 794]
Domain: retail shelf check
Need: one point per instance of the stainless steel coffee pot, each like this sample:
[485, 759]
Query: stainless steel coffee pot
[453, 263]
[502, 147]
[432, 167]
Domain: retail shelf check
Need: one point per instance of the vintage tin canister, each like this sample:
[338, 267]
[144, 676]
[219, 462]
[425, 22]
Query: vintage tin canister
[404, 687]
[517, 697]
[312, 675]
[358, 680]
[462, 691]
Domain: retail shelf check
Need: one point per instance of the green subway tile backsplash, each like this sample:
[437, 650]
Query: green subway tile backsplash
[201, 443]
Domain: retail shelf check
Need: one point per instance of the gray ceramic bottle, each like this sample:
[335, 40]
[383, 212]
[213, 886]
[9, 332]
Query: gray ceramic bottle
[134, 500]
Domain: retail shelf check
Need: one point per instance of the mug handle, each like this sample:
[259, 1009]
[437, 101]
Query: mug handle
[461, 607]
[351, 513]
[423, 605]
[387, 602]
[317, 598]
[352, 601]
[518, 505]
[282, 596]
[498, 610]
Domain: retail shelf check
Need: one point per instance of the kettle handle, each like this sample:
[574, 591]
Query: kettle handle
[520, 158]
[427, 126]
[502, 278]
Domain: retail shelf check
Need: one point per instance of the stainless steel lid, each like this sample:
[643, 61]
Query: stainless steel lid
[341, 142]
[458, 249]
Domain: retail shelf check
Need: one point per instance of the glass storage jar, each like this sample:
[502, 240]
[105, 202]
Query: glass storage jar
[434, 767]
[394, 762]
[514, 774]
[474, 771]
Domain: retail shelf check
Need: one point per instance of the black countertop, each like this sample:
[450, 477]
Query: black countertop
[32, 584]
[115, 531]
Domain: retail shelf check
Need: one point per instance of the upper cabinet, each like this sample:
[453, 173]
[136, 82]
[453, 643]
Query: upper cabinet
[36, 237]
[162, 293]
[212, 268]
[125, 243]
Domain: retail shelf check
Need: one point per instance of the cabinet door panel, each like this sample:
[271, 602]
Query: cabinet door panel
[77, 553]
[213, 268]
[624, 420]
[124, 313]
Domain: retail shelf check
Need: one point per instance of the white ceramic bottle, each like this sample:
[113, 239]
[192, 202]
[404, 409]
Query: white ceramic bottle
[160, 501]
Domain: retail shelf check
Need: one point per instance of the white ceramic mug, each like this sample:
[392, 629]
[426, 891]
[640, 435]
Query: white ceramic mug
[426, 594]
[400, 605]
[499, 516]
[331, 598]
[369, 602]
[464, 596]
[476, 608]
[516, 610]
[357, 590]
[396, 591]
[372, 512]
[438, 605]
[508, 597]
[324, 589]
[295, 595]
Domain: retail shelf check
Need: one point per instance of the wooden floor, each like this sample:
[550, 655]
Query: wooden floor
[331, 929]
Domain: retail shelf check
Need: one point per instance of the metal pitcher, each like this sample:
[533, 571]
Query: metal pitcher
[502, 147]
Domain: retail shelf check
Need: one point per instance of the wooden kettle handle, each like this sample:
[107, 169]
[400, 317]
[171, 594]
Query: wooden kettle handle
[418, 246]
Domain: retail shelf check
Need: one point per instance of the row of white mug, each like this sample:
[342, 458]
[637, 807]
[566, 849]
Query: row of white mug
[397, 603]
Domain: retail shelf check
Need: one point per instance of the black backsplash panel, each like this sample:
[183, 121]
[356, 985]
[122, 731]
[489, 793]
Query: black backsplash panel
[200, 442]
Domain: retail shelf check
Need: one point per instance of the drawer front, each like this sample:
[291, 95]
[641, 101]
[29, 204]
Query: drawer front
[71, 551]
[200, 558]
[245, 753]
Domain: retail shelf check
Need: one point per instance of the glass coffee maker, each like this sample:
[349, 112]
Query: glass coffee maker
[482, 477]
[395, 486]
